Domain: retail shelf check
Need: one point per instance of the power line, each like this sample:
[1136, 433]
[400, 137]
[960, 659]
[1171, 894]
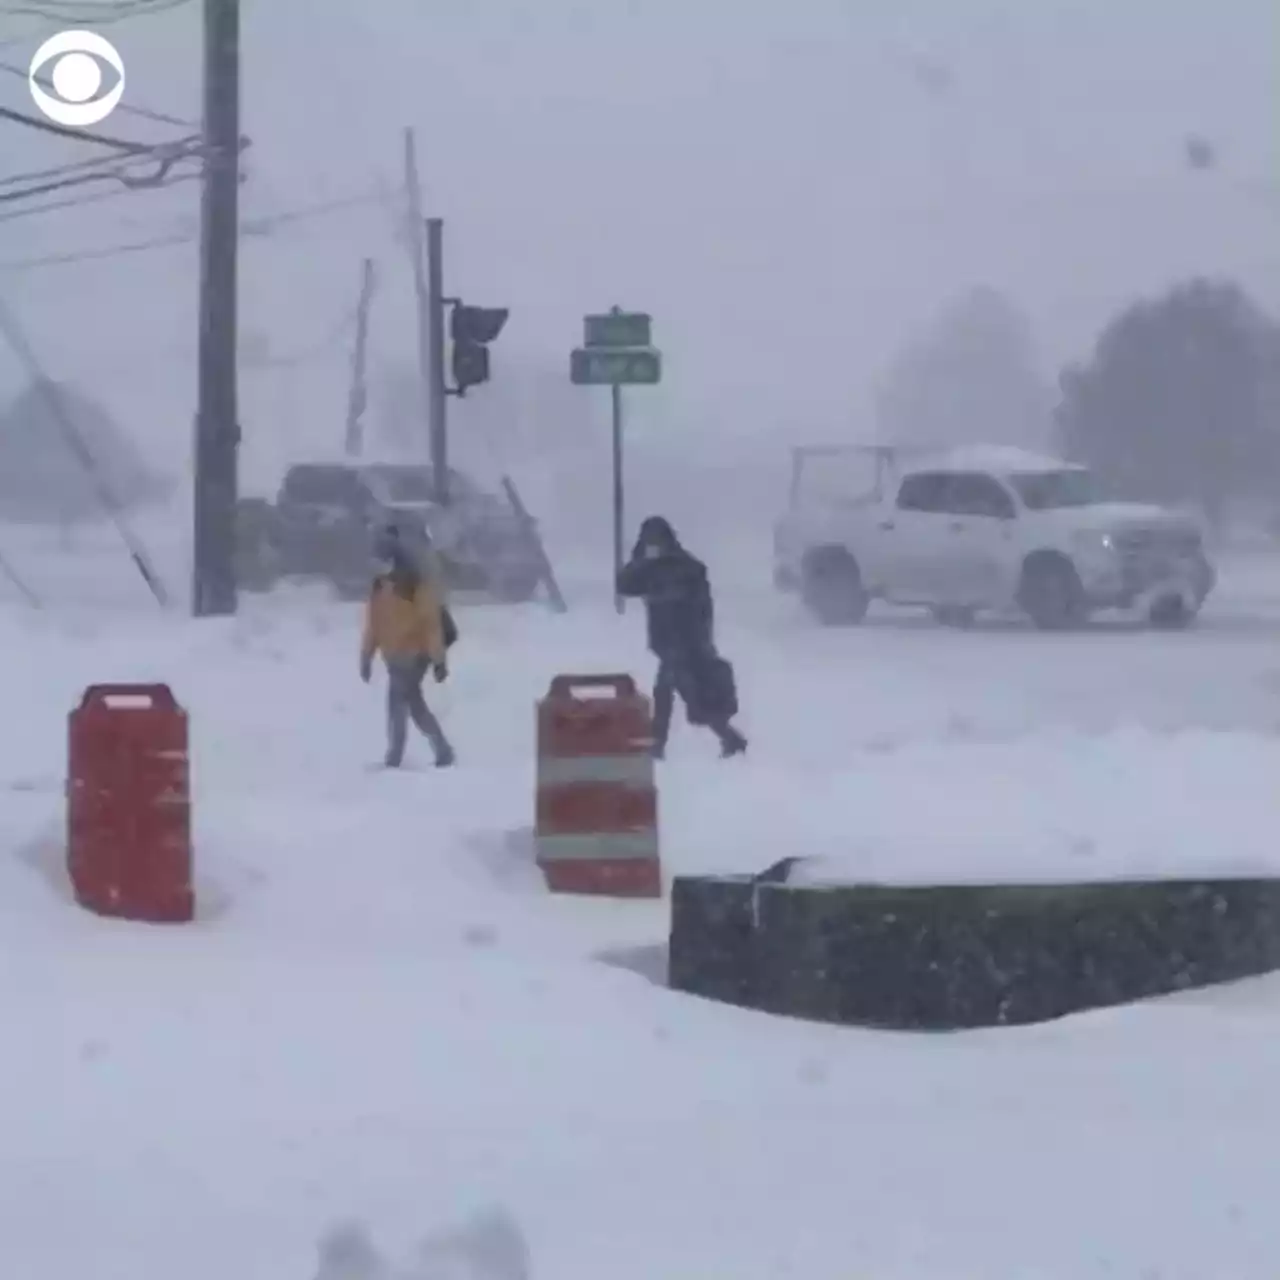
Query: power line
[53, 205]
[58, 171]
[94, 255]
[80, 135]
[101, 15]
[118, 175]
[143, 113]
[165, 155]
[249, 227]
[12, 332]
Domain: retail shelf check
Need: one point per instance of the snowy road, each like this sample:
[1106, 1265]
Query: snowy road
[382, 1015]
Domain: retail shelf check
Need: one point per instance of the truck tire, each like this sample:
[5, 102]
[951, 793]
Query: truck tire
[832, 588]
[1051, 593]
[1171, 613]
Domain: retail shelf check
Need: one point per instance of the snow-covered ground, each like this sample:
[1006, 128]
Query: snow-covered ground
[382, 1016]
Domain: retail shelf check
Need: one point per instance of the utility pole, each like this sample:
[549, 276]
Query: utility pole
[437, 389]
[358, 397]
[217, 440]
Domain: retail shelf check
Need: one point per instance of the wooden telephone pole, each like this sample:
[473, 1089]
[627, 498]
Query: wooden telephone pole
[217, 443]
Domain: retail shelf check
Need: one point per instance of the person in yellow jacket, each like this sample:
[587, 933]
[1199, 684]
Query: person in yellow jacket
[404, 622]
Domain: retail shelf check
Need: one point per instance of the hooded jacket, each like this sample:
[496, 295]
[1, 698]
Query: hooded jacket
[404, 617]
[676, 592]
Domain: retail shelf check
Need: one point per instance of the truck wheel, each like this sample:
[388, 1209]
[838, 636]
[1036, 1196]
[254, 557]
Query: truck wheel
[954, 615]
[1051, 594]
[1171, 613]
[832, 588]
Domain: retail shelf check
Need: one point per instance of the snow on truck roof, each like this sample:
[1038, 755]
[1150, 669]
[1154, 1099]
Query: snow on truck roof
[989, 457]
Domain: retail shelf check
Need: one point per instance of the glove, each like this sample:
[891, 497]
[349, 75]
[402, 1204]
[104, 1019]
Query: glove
[366, 669]
[441, 672]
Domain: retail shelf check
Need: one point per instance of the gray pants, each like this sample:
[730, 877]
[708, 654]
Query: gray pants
[405, 702]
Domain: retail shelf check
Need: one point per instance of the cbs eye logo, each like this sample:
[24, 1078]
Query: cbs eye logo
[76, 77]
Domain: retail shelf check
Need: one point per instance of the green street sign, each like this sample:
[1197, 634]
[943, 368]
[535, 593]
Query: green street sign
[616, 366]
[618, 329]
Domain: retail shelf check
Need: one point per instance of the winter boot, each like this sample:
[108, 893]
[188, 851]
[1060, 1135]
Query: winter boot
[732, 743]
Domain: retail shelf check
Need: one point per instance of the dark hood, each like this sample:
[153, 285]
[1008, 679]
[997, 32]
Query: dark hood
[656, 531]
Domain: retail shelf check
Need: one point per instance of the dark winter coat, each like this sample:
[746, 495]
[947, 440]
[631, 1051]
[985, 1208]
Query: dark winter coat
[676, 592]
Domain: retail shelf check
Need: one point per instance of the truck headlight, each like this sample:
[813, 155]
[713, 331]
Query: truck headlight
[1092, 540]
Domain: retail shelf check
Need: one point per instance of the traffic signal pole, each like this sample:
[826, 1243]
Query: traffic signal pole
[428, 274]
[437, 392]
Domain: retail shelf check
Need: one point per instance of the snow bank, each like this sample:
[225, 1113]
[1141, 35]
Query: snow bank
[385, 1022]
[1063, 806]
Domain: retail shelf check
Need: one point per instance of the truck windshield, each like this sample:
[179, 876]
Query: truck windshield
[1046, 490]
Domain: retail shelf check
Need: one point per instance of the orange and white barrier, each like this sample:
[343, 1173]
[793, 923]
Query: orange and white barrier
[597, 802]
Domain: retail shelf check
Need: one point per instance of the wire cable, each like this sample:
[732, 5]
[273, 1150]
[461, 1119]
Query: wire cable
[12, 332]
[143, 113]
[58, 171]
[53, 206]
[132, 184]
[80, 135]
[100, 15]
[249, 228]
[164, 155]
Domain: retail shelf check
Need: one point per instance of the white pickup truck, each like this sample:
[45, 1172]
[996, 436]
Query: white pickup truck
[982, 528]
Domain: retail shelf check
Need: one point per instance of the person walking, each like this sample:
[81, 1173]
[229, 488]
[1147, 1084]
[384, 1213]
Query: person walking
[406, 621]
[680, 612]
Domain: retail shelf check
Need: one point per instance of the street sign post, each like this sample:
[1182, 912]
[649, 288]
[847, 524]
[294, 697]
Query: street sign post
[617, 351]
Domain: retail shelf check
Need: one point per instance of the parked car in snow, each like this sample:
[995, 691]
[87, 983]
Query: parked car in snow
[984, 529]
[321, 522]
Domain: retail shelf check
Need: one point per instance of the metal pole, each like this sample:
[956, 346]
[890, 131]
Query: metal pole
[358, 396]
[437, 395]
[619, 603]
[416, 250]
[217, 427]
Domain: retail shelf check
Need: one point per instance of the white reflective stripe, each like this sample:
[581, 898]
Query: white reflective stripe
[607, 846]
[559, 771]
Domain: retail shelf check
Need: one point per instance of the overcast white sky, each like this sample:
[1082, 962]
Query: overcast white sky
[777, 184]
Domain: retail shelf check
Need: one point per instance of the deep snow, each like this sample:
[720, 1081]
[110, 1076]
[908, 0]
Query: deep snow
[381, 1016]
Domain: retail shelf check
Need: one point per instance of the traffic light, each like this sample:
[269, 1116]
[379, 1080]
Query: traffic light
[472, 329]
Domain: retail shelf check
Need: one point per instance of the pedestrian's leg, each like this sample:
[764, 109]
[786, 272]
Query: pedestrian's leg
[688, 681]
[397, 713]
[732, 741]
[664, 704]
[426, 721]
